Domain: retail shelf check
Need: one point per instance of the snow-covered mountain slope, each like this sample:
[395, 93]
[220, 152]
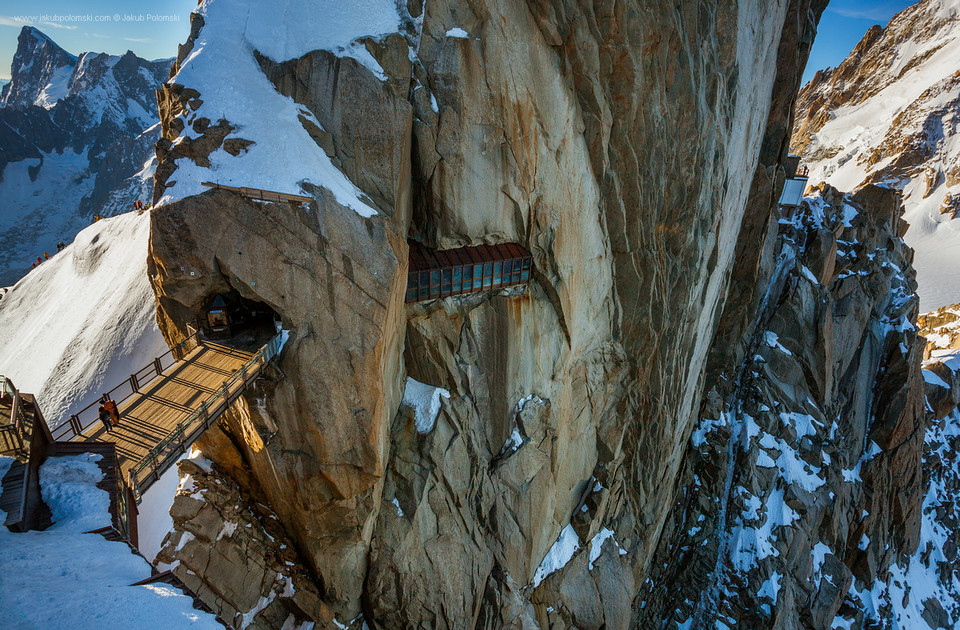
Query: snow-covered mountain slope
[61, 577]
[83, 321]
[889, 114]
[76, 140]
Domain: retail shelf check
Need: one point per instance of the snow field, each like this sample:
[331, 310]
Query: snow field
[63, 578]
[83, 321]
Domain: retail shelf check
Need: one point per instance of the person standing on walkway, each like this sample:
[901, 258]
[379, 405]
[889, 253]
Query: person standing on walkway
[111, 408]
[105, 418]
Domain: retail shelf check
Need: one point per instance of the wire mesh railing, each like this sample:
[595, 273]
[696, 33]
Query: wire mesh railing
[79, 422]
[176, 442]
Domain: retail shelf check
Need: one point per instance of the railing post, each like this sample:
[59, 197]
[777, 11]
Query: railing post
[134, 383]
[14, 406]
[75, 425]
[157, 366]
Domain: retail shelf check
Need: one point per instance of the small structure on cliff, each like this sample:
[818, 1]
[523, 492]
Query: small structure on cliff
[796, 183]
[442, 273]
[259, 194]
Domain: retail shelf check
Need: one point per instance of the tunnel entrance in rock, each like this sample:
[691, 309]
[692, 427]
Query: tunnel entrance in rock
[228, 316]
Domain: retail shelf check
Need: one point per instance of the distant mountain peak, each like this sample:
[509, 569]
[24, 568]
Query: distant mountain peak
[40, 72]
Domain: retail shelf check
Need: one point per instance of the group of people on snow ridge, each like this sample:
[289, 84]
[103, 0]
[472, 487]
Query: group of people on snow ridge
[46, 256]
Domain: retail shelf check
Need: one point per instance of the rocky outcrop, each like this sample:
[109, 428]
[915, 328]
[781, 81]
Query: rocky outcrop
[37, 63]
[261, 583]
[941, 328]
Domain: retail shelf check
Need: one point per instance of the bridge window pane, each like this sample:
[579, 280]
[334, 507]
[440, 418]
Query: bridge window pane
[445, 286]
[497, 269]
[516, 270]
[423, 292]
[525, 275]
[477, 277]
[412, 286]
[507, 267]
[487, 275]
[457, 278]
[435, 283]
[424, 280]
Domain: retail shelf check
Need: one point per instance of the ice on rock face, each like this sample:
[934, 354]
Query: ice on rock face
[425, 401]
[559, 554]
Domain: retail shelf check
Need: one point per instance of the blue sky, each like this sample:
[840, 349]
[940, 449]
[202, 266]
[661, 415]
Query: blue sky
[843, 24]
[98, 25]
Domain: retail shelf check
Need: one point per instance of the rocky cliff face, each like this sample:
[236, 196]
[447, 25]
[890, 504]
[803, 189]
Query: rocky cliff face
[804, 487]
[634, 150]
[888, 115]
[75, 137]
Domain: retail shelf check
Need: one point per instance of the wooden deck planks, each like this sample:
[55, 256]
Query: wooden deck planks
[147, 417]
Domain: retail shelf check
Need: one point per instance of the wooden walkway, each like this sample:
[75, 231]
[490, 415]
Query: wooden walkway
[150, 415]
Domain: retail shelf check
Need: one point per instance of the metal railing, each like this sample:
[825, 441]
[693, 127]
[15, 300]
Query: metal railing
[79, 422]
[162, 456]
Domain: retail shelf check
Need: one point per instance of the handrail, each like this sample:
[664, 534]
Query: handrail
[176, 442]
[16, 426]
[79, 422]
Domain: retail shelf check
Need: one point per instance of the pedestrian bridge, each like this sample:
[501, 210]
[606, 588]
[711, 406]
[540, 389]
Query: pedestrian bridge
[167, 405]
